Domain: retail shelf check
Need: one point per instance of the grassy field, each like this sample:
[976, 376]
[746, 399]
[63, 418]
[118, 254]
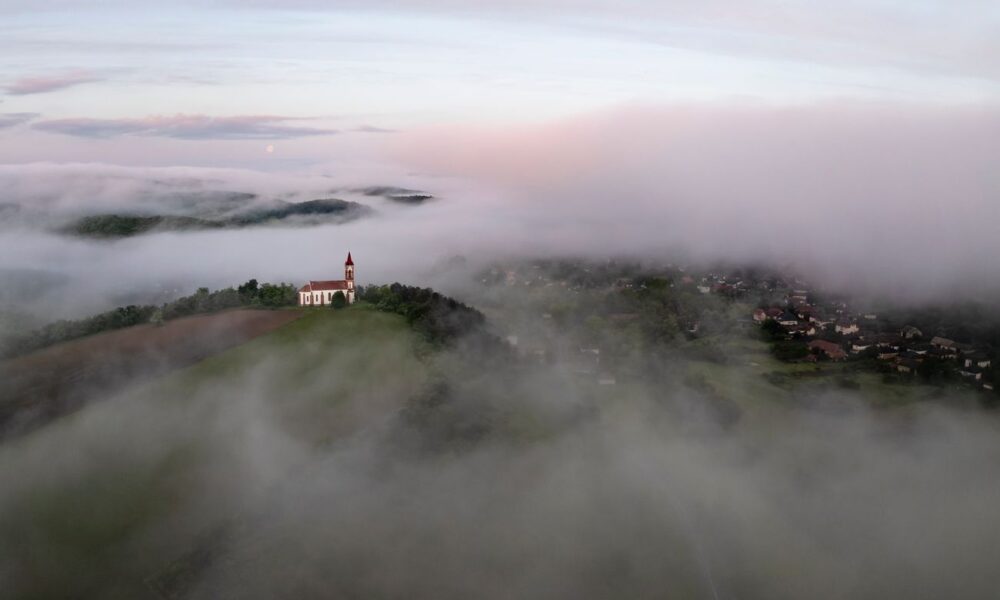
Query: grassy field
[42, 385]
[175, 459]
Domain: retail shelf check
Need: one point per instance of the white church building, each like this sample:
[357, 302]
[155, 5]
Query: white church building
[318, 293]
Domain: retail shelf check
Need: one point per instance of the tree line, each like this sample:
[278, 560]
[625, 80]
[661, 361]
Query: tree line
[439, 318]
[250, 294]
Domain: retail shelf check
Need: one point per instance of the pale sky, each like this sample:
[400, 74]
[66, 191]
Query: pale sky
[166, 83]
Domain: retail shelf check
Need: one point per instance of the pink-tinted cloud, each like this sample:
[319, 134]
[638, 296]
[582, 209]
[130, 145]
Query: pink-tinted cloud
[894, 197]
[187, 127]
[41, 85]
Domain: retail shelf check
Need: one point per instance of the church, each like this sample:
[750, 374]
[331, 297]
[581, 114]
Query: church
[318, 293]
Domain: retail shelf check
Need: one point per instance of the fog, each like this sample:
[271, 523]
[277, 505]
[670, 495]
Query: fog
[324, 485]
[886, 199]
[311, 472]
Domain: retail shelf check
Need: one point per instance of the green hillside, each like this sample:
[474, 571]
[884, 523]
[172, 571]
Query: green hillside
[192, 448]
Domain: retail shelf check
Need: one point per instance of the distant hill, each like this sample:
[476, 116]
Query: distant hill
[312, 212]
[120, 226]
[396, 194]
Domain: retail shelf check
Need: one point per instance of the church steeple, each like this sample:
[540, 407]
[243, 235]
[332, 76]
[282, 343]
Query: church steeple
[349, 272]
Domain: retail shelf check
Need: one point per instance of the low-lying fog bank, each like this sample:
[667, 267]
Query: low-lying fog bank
[315, 468]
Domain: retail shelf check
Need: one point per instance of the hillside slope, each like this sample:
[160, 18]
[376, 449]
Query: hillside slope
[179, 448]
[45, 384]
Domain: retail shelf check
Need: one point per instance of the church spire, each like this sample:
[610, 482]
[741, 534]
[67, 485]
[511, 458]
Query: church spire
[349, 261]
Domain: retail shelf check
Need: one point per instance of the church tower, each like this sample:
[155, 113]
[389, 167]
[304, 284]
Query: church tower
[349, 278]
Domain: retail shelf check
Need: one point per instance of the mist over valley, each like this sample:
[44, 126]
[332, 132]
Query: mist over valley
[505, 300]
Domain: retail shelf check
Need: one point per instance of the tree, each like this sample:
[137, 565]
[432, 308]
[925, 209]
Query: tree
[277, 295]
[249, 291]
[772, 330]
[338, 301]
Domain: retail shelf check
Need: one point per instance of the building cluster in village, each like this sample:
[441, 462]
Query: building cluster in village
[834, 331]
[829, 328]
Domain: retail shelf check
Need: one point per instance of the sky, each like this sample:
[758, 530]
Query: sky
[167, 83]
[856, 140]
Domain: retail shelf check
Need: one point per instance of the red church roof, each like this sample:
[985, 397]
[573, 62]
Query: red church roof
[323, 286]
[350, 261]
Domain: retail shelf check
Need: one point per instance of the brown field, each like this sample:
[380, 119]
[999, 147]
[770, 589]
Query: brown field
[53, 381]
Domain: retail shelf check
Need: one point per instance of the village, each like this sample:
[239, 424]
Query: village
[835, 331]
[615, 304]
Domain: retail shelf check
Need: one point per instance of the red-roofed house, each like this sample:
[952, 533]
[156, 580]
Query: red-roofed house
[833, 351]
[318, 293]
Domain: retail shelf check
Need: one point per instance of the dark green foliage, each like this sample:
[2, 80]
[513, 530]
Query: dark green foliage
[248, 291]
[119, 226]
[338, 301]
[791, 350]
[772, 331]
[438, 318]
[935, 370]
[277, 295]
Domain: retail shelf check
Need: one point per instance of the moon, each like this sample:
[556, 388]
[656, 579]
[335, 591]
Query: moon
[270, 148]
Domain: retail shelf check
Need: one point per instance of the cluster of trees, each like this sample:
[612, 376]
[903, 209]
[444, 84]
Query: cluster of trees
[202, 301]
[783, 349]
[439, 318]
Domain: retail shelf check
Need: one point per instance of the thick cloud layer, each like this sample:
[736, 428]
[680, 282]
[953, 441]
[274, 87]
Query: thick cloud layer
[893, 198]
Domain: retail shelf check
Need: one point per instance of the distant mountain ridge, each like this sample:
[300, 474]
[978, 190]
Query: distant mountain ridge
[312, 212]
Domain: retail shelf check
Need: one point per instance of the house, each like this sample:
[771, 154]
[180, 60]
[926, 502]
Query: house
[857, 347]
[320, 293]
[774, 313]
[972, 373]
[788, 320]
[846, 327]
[976, 358]
[805, 312]
[887, 340]
[944, 343]
[831, 350]
[906, 366]
[807, 329]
